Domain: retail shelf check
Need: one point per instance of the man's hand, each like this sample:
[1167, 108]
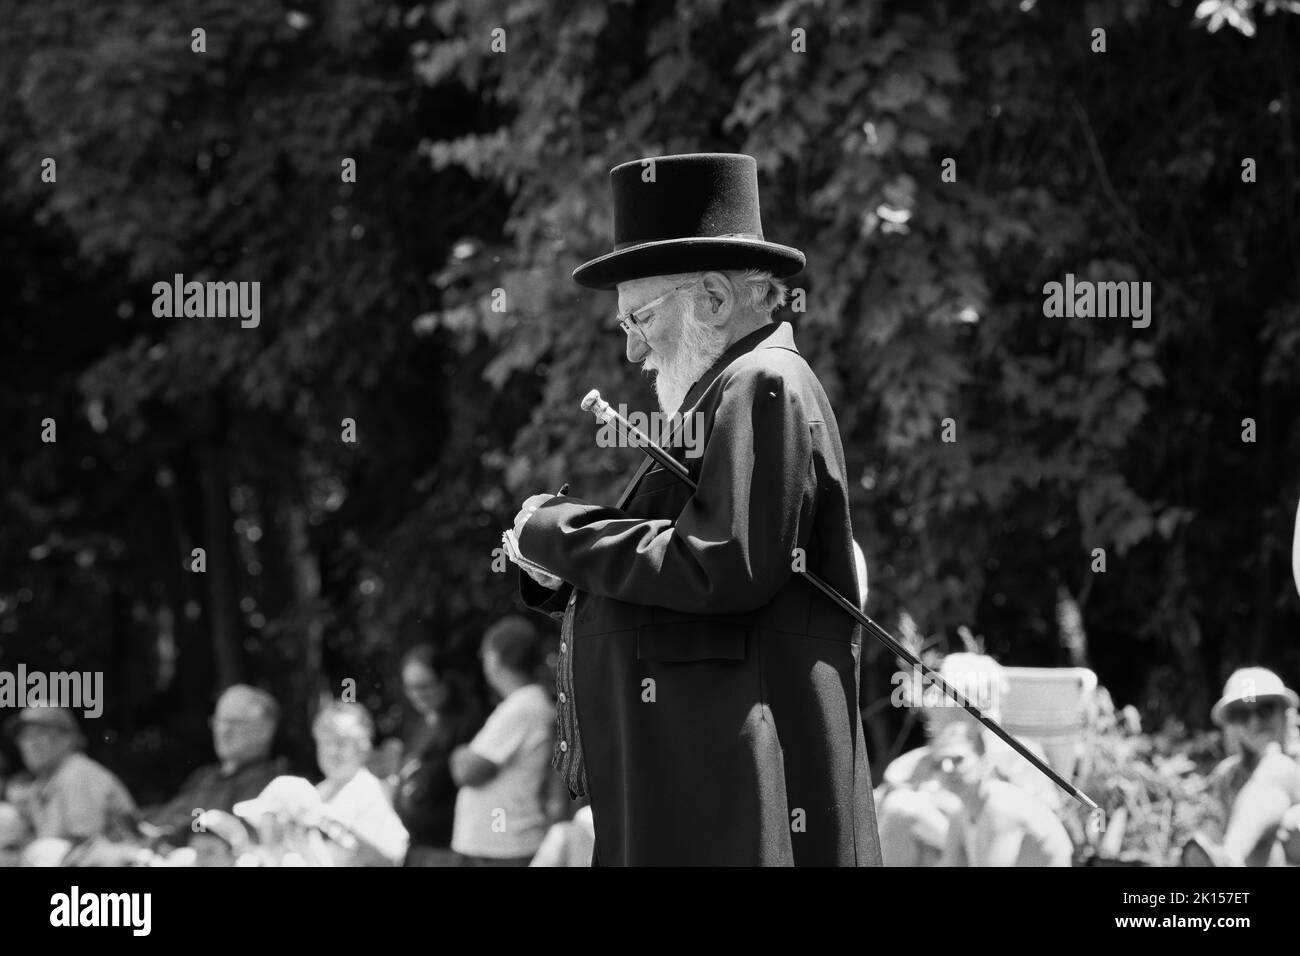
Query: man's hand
[530, 505]
[1279, 770]
[548, 581]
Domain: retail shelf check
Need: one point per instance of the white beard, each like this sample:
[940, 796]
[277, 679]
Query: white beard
[697, 348]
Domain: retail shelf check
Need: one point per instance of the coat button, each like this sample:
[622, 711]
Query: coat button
[563, 698]
[563, 647]
[564, 747]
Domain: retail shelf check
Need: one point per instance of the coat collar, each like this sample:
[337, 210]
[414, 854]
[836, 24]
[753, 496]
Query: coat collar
[774, 335]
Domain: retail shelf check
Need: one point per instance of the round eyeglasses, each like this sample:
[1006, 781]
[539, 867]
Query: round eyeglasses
[631, 320]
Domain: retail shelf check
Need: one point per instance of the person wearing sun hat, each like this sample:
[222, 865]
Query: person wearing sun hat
[1254, 690]
[1259, 785]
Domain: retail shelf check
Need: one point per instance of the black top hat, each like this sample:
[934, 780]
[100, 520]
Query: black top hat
[687, 213]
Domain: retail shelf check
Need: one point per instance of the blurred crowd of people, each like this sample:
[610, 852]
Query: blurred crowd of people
[469, 788]
[968, 799]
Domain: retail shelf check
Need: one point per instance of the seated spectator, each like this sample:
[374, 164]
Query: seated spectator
[345, 820]
[1259, 785]
[243, 729]
[351, 795]
[15, 834]
[505, 773]
[999, 823]
[913, 805]
[70, 796]
[425, 794]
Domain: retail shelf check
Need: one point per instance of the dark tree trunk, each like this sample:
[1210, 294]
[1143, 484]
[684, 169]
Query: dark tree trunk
[218, 531]
[306, 590]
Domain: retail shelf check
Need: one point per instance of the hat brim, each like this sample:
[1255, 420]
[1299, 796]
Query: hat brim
[1286, 694]
[695, 254]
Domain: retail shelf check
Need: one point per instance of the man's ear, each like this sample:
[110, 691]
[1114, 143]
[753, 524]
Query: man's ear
[720, 299]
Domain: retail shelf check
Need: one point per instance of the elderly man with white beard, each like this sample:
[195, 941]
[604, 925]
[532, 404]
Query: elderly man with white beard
[681, 360]
[707, 700]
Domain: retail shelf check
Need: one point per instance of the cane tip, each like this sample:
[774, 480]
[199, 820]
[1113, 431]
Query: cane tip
[590, 399]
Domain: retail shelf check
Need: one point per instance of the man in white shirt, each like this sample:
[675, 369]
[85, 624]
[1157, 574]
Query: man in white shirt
[999, 823]
[504, 772]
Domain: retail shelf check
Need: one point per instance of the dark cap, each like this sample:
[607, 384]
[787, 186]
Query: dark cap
[59, 718]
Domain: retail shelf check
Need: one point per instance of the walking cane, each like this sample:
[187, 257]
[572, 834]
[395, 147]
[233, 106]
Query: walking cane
[606, 415]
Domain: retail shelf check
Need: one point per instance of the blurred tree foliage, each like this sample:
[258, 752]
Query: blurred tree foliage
[480, 171]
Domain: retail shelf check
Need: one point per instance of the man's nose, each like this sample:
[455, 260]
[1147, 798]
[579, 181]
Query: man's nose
[637, 348]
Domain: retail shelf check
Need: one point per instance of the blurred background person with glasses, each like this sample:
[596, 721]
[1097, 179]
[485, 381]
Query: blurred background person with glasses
[243, 730]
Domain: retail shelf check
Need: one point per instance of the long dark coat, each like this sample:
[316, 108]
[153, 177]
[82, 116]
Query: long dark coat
[747, 748]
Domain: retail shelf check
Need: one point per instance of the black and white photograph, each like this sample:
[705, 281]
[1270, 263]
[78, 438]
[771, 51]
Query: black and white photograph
[691, 434]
